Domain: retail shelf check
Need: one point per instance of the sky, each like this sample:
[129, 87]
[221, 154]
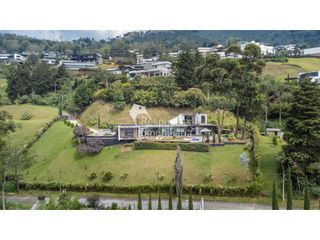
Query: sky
[58, 35]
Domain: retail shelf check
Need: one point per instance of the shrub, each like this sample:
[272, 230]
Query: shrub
[124, 175]
[119, 105]
[92, 176]
[192, 147]
[107, 176]
[26, 116]
[208, 178]
[82, 149]
[94, 145]
[274, 140]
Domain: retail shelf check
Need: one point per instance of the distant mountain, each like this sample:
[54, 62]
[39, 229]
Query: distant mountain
[206, 37]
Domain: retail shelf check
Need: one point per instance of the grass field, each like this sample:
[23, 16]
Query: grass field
[292, 67]
[28, 128]
[110, 115]
[269, 163]
[55, 152]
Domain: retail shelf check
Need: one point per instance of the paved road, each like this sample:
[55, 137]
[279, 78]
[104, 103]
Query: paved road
[124, 202]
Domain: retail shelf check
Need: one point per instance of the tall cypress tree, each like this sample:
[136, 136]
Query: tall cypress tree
[170, 198]
[179, 204]
[190, 206]
[150, 203]
[129, 207]
[275, 204]
[178, 172]
[306, 195]
[159, 202]
[139, 200]
[289, 190]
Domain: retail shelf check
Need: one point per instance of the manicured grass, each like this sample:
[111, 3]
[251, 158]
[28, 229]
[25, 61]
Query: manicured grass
[269, 163]
[294, 65]
[110, 115]
[55, 152]
[28, 128]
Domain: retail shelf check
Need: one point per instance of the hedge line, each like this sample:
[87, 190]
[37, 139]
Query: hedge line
[39, 133]
[249, 190]
[191, 147]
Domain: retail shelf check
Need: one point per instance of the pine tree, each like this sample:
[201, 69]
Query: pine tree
[179, 204]
[275, 204]
[170, 198]
[289, 190]
[139, 200]
[190, 206]
[150, 203]
[306, 195]
[159, 202]
[302, 131]
[129, 207]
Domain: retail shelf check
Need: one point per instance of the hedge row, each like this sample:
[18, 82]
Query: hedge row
[39, 133]
[191, 147]
[249, 190]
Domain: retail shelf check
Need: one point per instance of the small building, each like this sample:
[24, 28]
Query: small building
[276, 131]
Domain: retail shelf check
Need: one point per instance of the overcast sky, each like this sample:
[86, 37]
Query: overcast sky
[67, 34]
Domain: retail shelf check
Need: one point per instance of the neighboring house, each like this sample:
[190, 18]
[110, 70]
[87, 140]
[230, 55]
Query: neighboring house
[9, 58]
[315, 76]
[149, 67]
[85, 58]
[310, 52]
[74, 65]
[265, 49]
[49, 61]
[175, 54]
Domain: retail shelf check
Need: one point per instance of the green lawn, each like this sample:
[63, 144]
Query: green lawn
[292, 67]
[269, 163]
[55, 152]
[28, 128]
[110, 115]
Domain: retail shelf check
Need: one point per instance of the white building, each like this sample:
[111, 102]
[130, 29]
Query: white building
[150, 67]
[194, 119]
[315, 76]
[312, 52]
[265, 49]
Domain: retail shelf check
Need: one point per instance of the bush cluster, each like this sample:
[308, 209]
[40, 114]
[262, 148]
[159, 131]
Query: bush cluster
[191, 147]
[26, 116]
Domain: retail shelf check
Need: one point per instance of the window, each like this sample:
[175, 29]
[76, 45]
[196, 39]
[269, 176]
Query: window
[203, 119]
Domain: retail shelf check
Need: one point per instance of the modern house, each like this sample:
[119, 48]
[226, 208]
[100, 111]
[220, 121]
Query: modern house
[85, 58]
[186, 126]
[150, 67]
